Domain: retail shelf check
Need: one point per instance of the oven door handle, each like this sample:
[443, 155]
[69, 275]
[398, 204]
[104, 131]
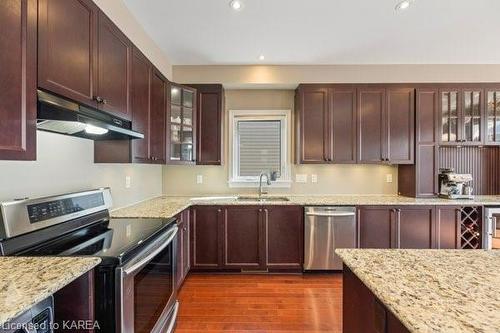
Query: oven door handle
[132, 269]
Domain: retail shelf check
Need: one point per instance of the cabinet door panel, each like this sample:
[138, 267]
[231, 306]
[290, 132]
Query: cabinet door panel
[206, 238]
[400, 125]
[186, 262]
[427, 115]
[492, 123]
[343, 125]
[415, 228]
[114, 56]
[449, 116]
[448, 227]
[157, 119]
[371, 133]
[426, 177]
[375, 227]
[313, 123]
[179, 274]
[18, 79]
[67, 48]
[285, 237]
[140, 84]
[243, 237]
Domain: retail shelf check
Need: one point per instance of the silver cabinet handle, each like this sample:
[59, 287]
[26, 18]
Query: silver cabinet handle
[149, 257]
[332, 214]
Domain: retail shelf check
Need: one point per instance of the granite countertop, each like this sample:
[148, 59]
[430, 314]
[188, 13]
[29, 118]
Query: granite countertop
[25, 281]
[433, 290]
[166, 207]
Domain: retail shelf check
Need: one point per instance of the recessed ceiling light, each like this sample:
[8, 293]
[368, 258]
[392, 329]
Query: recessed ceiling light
[236, 4]
[261, 57]
[403, 5]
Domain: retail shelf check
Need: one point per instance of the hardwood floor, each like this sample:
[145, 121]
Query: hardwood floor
[260, 303]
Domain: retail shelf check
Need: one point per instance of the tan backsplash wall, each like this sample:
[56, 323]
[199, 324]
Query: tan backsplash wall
[332, 179]
[66, 164]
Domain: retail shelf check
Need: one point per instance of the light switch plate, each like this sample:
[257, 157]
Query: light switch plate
[301, 178]
[128, 181]
[388, 178]
[314, 178]
[199, 179]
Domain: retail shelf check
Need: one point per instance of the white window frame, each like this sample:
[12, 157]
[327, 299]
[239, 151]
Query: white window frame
[284, 116]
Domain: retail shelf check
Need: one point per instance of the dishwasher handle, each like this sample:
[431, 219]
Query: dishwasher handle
[332, 214]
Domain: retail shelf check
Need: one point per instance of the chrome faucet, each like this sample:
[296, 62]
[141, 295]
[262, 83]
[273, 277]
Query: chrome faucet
[269, 178]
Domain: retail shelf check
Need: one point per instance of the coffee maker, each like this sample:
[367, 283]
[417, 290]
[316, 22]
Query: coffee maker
[455, 185]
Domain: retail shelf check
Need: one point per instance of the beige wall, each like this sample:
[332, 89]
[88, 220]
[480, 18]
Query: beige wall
[332, 179]
[66, 164]
[119, 13]
[288, 76]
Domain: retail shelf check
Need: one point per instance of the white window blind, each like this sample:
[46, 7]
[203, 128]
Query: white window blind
[259, 147]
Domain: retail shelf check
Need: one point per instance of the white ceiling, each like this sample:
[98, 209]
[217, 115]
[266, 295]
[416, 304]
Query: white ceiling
[323, 31]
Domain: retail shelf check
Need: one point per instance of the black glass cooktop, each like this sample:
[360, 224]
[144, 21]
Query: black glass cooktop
[114, 241]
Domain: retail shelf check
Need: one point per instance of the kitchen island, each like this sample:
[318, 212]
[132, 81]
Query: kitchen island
[24, 281]
[421, 291]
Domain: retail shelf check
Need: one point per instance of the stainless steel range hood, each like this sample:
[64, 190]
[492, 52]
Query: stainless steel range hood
[59, 115]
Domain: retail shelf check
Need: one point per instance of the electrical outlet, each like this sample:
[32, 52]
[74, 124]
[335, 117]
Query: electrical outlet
[301, 178]
[388, 178]
[128, 182]
[199, 179]
[314, 178]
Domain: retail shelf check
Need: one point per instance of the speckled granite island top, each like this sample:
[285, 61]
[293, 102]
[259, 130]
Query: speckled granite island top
[433, 290]
[25, 281]
[166, 207]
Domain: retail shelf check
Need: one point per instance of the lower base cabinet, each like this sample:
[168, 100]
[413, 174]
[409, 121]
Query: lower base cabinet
[409, 227]
[362, 311]
[183, 247]
[247, 238]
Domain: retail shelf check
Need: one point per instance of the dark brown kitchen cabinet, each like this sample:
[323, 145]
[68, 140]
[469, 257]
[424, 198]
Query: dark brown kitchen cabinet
[83, 56]
[244, 238]
[375, 227]
[385, 227]
[209, 120]
[206, 237]
[18, 41]
[326, 124]
[140, 85]
[414, 227]
[461, 118]
[448, 227]
[284, 227]
[113, 69]
[183, 257]
[385, 125]
[371, 129]
[67, 48]
[181, 125]
[420, 179]
[400, 122]
[157, 118]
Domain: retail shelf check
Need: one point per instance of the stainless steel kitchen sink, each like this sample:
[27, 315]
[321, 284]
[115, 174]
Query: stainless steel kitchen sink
[262, 199]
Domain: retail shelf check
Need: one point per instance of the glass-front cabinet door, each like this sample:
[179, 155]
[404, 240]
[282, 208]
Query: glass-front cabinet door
[461, 116]
[182, 125]
[493, 116]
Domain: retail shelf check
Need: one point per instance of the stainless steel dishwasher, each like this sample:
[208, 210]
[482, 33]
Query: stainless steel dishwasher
[327, 229]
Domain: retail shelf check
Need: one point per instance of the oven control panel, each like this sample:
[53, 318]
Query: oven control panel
[51, 209]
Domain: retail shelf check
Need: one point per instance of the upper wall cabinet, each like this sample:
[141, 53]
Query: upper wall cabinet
[18, 79]
[114, 58]
[67, 48]
[386, 117]
[461, 116]
[83, 56]
[209, 129]
[325, 124]
[493, 116]
[181, 125]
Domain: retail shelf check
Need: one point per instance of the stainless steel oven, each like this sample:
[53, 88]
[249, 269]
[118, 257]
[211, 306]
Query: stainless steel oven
[146, 288]
[491, 229]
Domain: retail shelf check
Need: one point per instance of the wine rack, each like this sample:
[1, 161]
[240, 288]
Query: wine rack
[471, 227]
